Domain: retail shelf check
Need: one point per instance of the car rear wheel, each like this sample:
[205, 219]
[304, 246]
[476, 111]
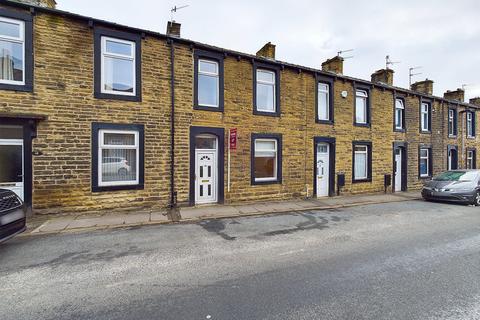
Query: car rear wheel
[476, 200]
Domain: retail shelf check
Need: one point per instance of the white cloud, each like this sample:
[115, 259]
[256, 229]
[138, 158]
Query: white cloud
[440, 35]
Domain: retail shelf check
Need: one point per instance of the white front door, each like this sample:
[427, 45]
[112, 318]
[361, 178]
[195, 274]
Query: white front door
[398, 169]
[11, 165]
[205, 176]
[323, 172]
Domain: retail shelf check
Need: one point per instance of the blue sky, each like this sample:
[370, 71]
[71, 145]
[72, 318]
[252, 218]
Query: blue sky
[441, 36]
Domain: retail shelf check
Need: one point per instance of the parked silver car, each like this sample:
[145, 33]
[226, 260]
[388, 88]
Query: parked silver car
[456, 185]
[12, 215]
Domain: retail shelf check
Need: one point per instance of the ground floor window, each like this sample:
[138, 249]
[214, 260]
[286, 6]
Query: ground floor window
[118, 155]
[425, 162]
[266, 158]
[471, 159]
[362, 161]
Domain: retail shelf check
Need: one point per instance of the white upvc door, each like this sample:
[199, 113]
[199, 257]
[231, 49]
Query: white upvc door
[205, 176]
[11, 166]
[398, 169]
[323, 172]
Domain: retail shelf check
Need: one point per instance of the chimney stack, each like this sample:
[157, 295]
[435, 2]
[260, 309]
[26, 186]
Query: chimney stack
[267, 51]
[173, 29]
[475, 101]
[383, 76]
[425, 86]
[334, 64]
[41, 3]
[458, 95]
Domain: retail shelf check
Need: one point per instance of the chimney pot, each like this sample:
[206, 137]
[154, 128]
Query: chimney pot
[267, 51]
[383, 76]
[458, 95]
[425, 86]
[173, 29]
[334, 64]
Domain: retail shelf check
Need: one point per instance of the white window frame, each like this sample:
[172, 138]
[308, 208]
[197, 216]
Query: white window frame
[20, 40]
[423, 175]
[355, 152]
[132, 57]
[273, 84]
[470, 157]
[103, 146]
[363, 94]
[275, 168]
[470, 125]
[425, 110]
[451, 122]
[209, 74]
[327, 105]
[398, 109]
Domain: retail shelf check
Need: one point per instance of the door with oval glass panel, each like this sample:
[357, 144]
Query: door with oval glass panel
[205, 169]
[323, 169]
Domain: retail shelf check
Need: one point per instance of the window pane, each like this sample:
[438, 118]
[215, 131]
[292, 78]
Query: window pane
[360, 165]
[398, 118]
[264, 145]
[360, 148]
[265, 97]
[323, 105]
[423, 153]
[399, 104]
[119, 165]
[361, 93]
[207, 90]
[264, 167]
[208, 66]
[119, 48]
[9, 29]
[11, 61]
[322, 87]
[11, 163]
[119, 139]
[361, 110]
[118, 75]
[265, 76]
[11, 132]
[424, 167]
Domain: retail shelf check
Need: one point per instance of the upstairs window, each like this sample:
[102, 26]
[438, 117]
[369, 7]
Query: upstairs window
[470, 124]
[117, 65]
[265, 90]
[266, 95]
[425, 114]
[12, 51]
[16, 50]
[424, 162]
[452, 122]
[208, 81]
[361, 107]
[323, 101]
[399, 114]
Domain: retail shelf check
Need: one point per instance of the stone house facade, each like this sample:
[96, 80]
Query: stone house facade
[96, 116]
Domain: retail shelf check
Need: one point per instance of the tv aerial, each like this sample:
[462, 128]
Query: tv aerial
[389, 62]
[411, 74]
[341, 52]
[175, 9]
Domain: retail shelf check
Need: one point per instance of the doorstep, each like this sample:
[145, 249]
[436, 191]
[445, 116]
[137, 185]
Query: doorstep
[64, 224]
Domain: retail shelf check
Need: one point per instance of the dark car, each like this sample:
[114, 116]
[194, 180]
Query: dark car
[456, 185]
[12, 215]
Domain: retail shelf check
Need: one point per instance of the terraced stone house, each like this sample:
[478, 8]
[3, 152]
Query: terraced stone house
[99, 116]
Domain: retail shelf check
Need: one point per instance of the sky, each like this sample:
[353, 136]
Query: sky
[443, 37]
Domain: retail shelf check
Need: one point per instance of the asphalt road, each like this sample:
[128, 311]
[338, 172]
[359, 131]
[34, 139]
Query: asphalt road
[409, 260]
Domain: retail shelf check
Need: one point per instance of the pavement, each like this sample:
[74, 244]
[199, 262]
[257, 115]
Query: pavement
[68, 223]
[396, 260]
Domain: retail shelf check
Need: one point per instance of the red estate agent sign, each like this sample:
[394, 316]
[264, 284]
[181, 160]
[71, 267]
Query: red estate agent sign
[233, 139]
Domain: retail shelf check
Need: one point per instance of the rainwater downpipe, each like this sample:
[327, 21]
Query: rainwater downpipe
[173, 193]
